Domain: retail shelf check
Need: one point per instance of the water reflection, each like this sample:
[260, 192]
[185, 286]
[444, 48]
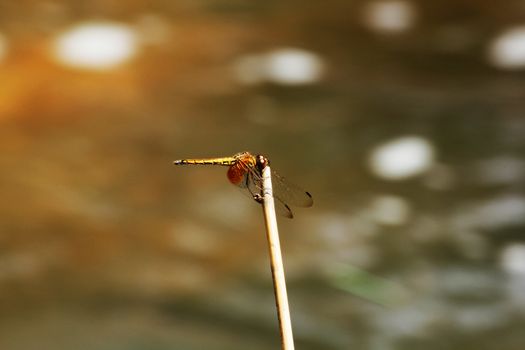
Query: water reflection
[96, 45]
[406, 130]
[508, 50]
[3, 47]
[402, 158]
[285, 66]
[389, 15]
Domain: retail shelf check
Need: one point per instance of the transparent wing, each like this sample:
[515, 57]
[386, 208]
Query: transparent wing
[253, 184]
[284, 192]
[290, 193]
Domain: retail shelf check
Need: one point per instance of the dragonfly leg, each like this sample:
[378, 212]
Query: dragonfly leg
[256, 196]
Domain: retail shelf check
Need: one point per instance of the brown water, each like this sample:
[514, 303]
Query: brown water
[104, 244]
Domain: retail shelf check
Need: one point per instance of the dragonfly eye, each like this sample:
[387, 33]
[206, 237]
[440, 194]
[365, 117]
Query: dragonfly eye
[261, 162]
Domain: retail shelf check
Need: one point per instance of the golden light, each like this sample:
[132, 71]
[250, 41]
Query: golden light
[96, 45]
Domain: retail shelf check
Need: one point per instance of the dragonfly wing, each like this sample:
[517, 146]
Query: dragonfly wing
[284, 193]
[252, 185]
[252, 182]
[282, 208]
[290, 193]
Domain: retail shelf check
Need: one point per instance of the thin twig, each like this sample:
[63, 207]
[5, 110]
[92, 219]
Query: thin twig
[276, 262]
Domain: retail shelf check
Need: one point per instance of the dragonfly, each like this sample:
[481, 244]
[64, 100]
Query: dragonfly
[243, 172]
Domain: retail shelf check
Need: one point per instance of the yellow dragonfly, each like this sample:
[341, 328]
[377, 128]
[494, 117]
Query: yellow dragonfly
[243, 172]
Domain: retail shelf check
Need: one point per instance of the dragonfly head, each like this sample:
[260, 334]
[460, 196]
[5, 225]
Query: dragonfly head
[261, 162]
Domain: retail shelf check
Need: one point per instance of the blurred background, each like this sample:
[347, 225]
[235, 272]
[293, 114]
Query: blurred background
[404, 119]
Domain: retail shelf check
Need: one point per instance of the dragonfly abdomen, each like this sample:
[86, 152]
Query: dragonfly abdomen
[216, 161]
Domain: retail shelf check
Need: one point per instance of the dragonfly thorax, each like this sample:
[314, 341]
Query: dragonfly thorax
[244, 162]
[236, 173]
